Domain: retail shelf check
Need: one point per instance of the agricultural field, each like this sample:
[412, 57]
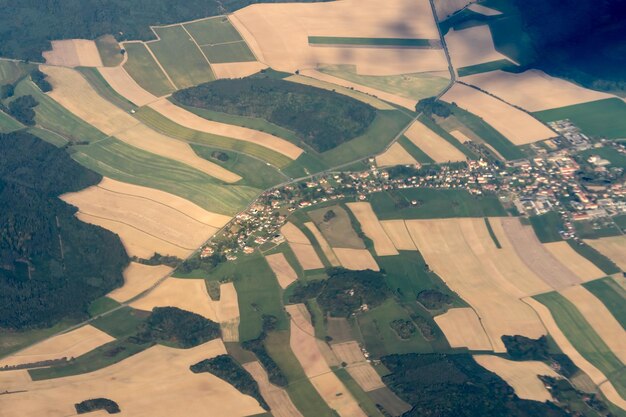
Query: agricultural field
[500, 64]
[612, 248]
[436, 147]
[395, 155]
[612, 296]
[8, 124]
[144, 69]
[472, 46]
[109, 50]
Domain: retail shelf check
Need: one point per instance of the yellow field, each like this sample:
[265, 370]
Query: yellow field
[522, 376]
[395, 155]
[613, 248]
[447, 7]
[321, 240]
[383, 246]
[439, 149]
[67, 345]
[187, 119]
[277, 398]
[472, 46]
[126, 86]
[137, 279]
[237, 69]
[600, 318]
[154, 383]
[305, 347]
[283, 271]
[398, 233]
[462, 328]
[518, 127]
[74, 93]
[356, 259]
[491, 280]
[583, 268]
[278, 35]
[301, 247]
[73, 53]
[357, 366]
[227, 309]
[533, 90]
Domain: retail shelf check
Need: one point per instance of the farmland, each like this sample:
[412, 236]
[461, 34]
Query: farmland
[400, 42]
[142, 66]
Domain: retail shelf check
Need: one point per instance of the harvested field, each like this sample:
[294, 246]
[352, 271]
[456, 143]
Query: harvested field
[156, 382]
[567, 348]
[518, 127]
[348, 352]
[279, 34]
[110, 51]
[227, 309]
[613, 248]
[190, 120]
[462, 252]
[390, 401]
[277, 398]
[301, 247]
[462, 328]
[599, 318]
[284, 272]
[395, 155]
[472, 46]
[339, 329]
[357, 366]
[436, 147]
[522, 376]
[67, 345]
[137, 279]
[534, 90]
[582, 267]
[74, 93]
[305, 347]
[237, 69]
[445, 8]
[143, 68]
[336, 227]
[356, 259]
[383, 246]
[398, 233]
[124, 85]
[73, 53]
[486, 11]
[321, 240]
[186, 294]
[293, 234]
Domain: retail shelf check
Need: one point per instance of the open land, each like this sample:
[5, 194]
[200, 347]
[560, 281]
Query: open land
[284, 272]
[398, 233]
[356, 259]
[277, 398]
[110, 51]
[357, 366]
[301, 247]
[227, 309]
[126, 86]
[582, 267]
[336, 228]
[445, 8]
[144, 69]
[613, 248]
[237, 69]
[612, 294]
[472, 46]
[479, 8]
[383, 246]
[73, 53]
[395, 155]
[436, 147]
[137, 279]
[321, 240]
[463, 329]
[522, 376]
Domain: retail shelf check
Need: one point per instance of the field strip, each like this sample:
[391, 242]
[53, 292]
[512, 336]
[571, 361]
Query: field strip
[187, 119]
[137, 279]
[197, 46]
[321, 240]
[472, 46]
[74, 92]
[357, 366]
[600, 319]
[304, 346]
[579, 265]
[237, 69]
[67, 345]
[534, 90]
[227, 309]
[156, 382]
[518, 127]
[356, 259]
[398, 233]
[306, 255]
[395, 155]
[383, 246]
[285, 274]
[567, 348]
[277, 398]
[436, 147]
[613, 248]
[73, 53]
[126, 86]
[462, 328]
[522, 376]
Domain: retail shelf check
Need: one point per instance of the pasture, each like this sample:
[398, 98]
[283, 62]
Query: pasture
[213, 31]
[8, 124]
[118, 80]
[144, 69]
[336, 226]
[612, 296]
[613, 248]
[109, 50]
[228, 52]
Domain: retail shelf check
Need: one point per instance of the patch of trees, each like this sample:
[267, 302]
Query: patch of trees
[224, 367]
[220, 156]
[206, 264]
[522, 348]
[179, 327]
[40, 80]
[344, 292]
[440, 385]
[257, 346]
[323, 119]
[22, 109]
[158, 259]
[7, 91]
[405, 329]
[575, 402]
[434, 300]
[329, 215]
[431, 105]
[52, 265]
[95, 404]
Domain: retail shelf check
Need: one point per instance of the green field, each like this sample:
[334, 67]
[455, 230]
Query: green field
[99, 84]
[501, 64]
[602, 118]
[612, 296]
[110, 51]
[48, 136]
[434, 203]
[419, 155]
[11, 71]
[145, 70]
[255, 173]
[228, 52]
[115, 159]
[214, 30]
[120, 323]
[547, 226]
[166, 126]
[584, 339]
[605, 264]
[588, 229]
[8, 124]
[180, 57]
[52, 116]
[617, 159]
[101, 305]
[258, 293]
[620, 221]
[413, 86]
[350, 41]
[12, 340]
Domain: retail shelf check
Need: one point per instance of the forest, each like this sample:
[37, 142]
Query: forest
[322, 119]
[94, 404]
[52, 265]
